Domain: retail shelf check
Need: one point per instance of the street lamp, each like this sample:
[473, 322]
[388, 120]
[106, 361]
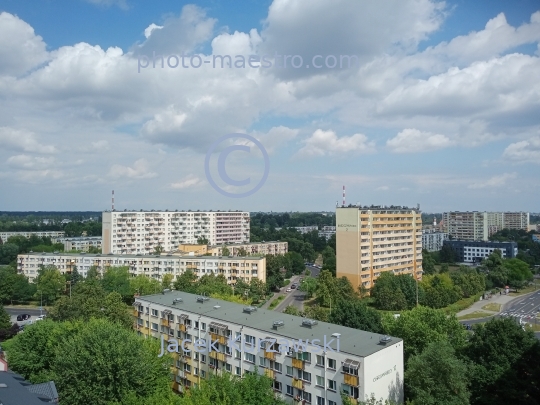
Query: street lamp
[41, 306]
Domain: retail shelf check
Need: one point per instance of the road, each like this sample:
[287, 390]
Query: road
[314, 271]
[14, 311]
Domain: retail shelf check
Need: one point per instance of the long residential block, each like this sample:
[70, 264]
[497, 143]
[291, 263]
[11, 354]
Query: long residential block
[480, 226]
[373, 240]
[132, 232]
[237, 249]
[214, 336]
[4, 236]
[476, 251]
[155, 266]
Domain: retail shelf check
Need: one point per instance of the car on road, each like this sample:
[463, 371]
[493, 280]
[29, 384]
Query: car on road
[288, 290]
[293, 286]
[41, 317]
[23, 317]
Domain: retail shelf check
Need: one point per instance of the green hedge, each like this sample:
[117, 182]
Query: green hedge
[462, 304]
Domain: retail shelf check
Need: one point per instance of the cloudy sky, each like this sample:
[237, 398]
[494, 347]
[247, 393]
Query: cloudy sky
[442, 107]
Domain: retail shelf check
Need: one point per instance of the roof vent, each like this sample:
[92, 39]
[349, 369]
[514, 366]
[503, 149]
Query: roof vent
[336, 335]
[278, 324]
[3, 386]
[249, 310]
[385, 339]
[202, 299]
[177, 300]
[309, 322]
[217, 306]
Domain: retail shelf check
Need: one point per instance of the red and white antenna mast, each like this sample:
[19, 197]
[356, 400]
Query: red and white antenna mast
[113, 200]
[344, 196]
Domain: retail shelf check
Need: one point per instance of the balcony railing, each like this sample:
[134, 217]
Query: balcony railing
[297, 383]
[298, 364]
[351, 380]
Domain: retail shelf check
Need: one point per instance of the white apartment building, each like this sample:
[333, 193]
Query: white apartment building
[303, 229]
[134, 232]
[4, 236]
[432, 240]
[82, 243]
[372, 240]
[327, 232]
[155, 266]
[480, 226]
[337, 359]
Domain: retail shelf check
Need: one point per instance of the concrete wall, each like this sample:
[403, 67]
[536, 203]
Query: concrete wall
[348, 244]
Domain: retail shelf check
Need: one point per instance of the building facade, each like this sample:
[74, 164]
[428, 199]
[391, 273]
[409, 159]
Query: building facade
[476, 251]
[372, 240]
[81, 244]
[327, 232]
[255, 248]
[536, 238]
[432, 240]
[134, 232]
[214, 336]
[4, 236]
[481, 225]
[155, 266]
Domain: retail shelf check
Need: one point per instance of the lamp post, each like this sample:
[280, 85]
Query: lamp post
[41, 306]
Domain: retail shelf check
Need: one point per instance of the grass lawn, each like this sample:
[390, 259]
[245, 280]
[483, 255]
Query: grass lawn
[475, 315]
[492, 307]
[525, 290]
[276, 302]
[534, 327]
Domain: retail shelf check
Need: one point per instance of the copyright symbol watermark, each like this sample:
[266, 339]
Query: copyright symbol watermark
[222, 172]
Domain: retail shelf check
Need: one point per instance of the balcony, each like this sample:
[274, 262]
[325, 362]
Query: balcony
[218, 356]
[298, 364]
[182, 327]
[219, 338]
[270, 355]
[165, 322]
[297, 383]
[352, 380]
[269, 373]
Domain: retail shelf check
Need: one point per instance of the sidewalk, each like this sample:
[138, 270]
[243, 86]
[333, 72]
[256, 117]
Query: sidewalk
[495, 299]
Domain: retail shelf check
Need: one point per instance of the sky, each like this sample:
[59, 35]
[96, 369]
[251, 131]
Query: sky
[404, 102]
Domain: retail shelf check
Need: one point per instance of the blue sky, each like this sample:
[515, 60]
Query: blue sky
[441, 109]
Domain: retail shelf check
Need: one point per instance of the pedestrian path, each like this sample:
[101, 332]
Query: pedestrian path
[503, 300]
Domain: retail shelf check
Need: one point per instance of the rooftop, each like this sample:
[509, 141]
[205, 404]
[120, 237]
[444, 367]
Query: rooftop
[381, 207]
[158, 211]
[138, 256]
[15, 390]
[352, 341]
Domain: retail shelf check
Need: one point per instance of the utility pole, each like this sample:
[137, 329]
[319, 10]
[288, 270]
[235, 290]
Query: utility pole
[417, 291]
[41, 306]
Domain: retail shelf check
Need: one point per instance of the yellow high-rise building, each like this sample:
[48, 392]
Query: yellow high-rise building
[372, 240]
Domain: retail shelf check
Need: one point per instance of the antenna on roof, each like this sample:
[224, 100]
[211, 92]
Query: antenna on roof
[113, 200]
[344, 196]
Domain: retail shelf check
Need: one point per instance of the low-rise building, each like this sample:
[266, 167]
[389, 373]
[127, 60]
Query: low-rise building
[327, 232]
[155, 266]
[82, 244]
[4, 236]
[536, 237]
[476, 251]
[432, 240]
[303, 229]
[235, 249]
[309, 362]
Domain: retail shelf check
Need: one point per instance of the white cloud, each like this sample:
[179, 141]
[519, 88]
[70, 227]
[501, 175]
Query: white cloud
[150, 28]
[20, 48]
[412, 140]
[188, 181]
[22, 140]
[140, 170]
[30, 162]
[276, 137]
[494, 182]
[527, 151]
[322, 143]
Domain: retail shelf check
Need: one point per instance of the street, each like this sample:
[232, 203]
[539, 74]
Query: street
[14, 311]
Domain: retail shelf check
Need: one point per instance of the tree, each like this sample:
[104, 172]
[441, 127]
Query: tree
[316, 312]
[437, 377]
[202, 241]
[468, 280]
[257, 289]
[326, 288]
[494, 350]
[444, 268]
[295, 262]
[225, 251]
[167, 280]
[519, 273]
[329, 260]
[428, 263]
[117, 279]
[5, 319]
[14, 287]
[242, 252]
[291, 310]
[186, 282]
[395, 293]
[158, 250]
[354, 313]
[447, 254]
[423, 325]
[143, 285]
[8, 253]
[50, 283]
[439, 291]
[75, 276]
[93, 273]
[309, 286]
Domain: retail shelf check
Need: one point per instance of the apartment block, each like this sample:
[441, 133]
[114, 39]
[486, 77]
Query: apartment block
[375, 239]
[215, 336]
[327, 232]
[155, 266]
[476, 251]
[480, 226]
[81, 243]
[432, 241]
[133, 232]
[253, 248]
[4, 236]
[303, 229]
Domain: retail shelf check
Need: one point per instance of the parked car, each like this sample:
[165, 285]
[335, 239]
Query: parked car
[23, 317]
[288, 290]
[41, 317]
[293, 286]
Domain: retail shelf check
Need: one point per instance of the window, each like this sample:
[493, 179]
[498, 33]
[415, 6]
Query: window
[277, 386]
[237, 354]
[203, 374]
[155, 326]
[320, 401]
[332, 364]
[320, 360]
[278, 367]
[306, 396]
[203, 358]
[330, 402]
[238, 371]
[289, 370]
[262, 362]
[187, 368]
[350, 370]
[196, 371]
[332, 385]
[228, 367]
[250, 339]
[290, 390]
[320, 381]
[155, 312]
[304, 375]
[203, 326]
[249, 357]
